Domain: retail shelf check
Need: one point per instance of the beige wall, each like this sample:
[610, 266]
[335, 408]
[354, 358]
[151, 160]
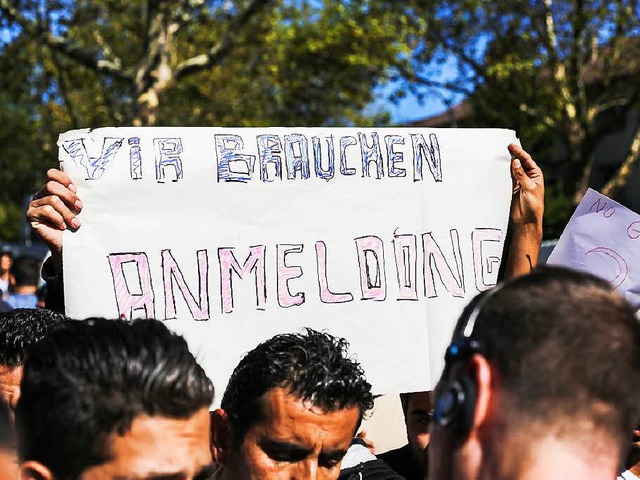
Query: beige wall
[385, 425]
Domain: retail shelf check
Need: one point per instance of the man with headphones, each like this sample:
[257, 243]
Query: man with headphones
[541, 381]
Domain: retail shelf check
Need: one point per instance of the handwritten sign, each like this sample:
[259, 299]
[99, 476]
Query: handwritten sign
[603, 238]
[232, 235]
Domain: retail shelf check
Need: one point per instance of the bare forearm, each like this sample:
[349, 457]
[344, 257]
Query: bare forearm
[523, 250]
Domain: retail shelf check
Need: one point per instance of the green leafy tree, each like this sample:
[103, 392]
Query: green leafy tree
[90, 63]
[565, 73]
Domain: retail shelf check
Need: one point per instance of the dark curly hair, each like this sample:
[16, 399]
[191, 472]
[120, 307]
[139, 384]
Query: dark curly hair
[21, 330]
[313, 366]
[90, 379]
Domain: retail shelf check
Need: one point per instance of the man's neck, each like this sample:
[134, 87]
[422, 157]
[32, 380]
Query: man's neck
[552, 458]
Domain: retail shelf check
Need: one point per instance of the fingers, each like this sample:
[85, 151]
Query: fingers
[56, 204]
[51, 210]
[45, 214]
[67, 196]
[529, 165]
[524, 170]
[520, 177]
[62, 178]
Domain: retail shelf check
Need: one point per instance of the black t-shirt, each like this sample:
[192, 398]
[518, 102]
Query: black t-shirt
[402, 462]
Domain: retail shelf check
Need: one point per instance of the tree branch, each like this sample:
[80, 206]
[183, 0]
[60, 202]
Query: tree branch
[186, 12]
[621, 176]
[219, 51]
[596, 110]
[64, 91]
[549, 121]
[622, 110]
[438, 37]
[414, 77]
[64, 46]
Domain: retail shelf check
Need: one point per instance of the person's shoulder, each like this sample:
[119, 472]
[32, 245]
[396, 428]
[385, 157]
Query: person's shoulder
[375, 469]
[399, 455]
[16, 300]
[5, 307]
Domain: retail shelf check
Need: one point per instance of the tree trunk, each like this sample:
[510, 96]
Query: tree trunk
[580, 149]
[154, 75]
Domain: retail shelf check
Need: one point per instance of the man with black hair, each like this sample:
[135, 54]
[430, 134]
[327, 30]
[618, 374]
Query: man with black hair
[20, 331]
[290, 410]
[6, 261]
[408, 460]
[26, 273]
[541, 381]
[112, 399]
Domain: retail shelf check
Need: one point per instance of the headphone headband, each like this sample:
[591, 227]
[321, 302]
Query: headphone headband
[455, 402]
[470, 324]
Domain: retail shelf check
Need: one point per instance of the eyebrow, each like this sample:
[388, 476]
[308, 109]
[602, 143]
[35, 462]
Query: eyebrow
[153, 476]
[334, 454]
[285, 447]
[421, 411]
[298, 452]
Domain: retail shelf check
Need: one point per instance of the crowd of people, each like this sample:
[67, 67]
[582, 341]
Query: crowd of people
[20, 284]
[541, 381]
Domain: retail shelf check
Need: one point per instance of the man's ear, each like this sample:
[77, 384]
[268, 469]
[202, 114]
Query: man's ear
[32, 470]
[482, 373]
[220, 436]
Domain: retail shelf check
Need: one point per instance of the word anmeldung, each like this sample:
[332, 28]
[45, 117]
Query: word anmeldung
[372, 269]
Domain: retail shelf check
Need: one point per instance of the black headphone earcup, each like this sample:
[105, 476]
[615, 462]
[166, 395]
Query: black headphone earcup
[468, 409]
[455, 405]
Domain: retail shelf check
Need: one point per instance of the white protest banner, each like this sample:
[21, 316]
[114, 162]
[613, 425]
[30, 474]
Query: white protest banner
[603, 238]
[232, 235]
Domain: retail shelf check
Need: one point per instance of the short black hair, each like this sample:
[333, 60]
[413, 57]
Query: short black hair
[21, 329]
[566, 347]
[313, 366]
[26, 271]
[90, 379]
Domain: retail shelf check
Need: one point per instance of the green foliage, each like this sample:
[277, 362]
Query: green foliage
[298, 66]
[547, 69]
[25, 143]
[563, 74]
[558, 208]
[10, 220]
[291, 63]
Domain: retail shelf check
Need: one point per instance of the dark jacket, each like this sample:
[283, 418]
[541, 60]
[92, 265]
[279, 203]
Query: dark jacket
[402, 461]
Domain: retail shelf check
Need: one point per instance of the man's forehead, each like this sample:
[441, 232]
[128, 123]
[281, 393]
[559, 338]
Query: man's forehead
[421, 401]
[285, 414]
[276, 398]
[158, 447]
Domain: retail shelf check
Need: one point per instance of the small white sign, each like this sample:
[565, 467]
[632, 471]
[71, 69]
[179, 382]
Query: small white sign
[603, 238]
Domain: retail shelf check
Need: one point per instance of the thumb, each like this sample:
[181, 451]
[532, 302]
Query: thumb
[519, 175]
